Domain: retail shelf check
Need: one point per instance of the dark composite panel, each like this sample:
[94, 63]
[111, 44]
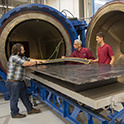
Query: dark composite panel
[80, 77]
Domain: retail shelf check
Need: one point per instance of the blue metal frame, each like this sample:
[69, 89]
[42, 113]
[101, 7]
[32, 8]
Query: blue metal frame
[80, 27]
[3, 88]
[61, 105]
[74, 28]
[27, 8]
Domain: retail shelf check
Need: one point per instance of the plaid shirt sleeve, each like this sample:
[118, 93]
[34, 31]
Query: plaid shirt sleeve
[25, 58]
[18, 60]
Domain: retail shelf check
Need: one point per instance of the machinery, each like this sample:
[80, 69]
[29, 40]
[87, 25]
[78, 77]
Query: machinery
[68, 89]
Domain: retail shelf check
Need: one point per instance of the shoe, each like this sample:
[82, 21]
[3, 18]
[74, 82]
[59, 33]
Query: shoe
[33, 111]
[19, 116]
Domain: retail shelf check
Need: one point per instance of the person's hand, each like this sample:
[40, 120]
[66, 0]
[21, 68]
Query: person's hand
[91, 61]
[41, 61]
[44, 61]
[63, 57]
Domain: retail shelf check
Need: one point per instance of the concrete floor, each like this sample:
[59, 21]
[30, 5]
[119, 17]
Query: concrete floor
[47, 116]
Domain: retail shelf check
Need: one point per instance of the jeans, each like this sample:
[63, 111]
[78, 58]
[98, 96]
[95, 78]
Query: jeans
[18, 90]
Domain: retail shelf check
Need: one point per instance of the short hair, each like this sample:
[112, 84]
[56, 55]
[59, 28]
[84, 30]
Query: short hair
[100, 34]
[79, 41]
[16, 48]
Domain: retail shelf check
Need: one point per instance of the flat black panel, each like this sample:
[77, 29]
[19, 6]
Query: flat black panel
[81, 74]
[72, 86]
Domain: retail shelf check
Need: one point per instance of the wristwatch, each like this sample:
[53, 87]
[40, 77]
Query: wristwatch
[36, 62]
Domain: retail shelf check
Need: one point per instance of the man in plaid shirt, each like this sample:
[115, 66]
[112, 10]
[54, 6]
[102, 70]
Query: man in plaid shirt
[15, 80]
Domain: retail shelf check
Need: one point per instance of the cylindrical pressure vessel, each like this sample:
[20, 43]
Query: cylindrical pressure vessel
[110, 20]
[39, 28]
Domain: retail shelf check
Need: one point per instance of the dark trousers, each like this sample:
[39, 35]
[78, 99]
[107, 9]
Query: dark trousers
[18, 90]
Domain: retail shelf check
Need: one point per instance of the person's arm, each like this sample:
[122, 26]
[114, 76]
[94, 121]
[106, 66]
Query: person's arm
[72, 55]
[112, 60]
[22, 62]
[33, 62]
[111, 54]
[29, 63]
[38, 61]
[96, 60]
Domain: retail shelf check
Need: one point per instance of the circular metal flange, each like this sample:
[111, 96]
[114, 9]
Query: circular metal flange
[14, 19]
[110, 20]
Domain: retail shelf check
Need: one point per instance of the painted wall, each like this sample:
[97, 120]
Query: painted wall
[82, 9]
[88, 10]
[70, 5]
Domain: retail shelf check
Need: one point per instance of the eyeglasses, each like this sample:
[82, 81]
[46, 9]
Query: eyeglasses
[75, 44]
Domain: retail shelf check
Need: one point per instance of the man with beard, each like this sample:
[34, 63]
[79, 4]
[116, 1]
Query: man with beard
[15, 80]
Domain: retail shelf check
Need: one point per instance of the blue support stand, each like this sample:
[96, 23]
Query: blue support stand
[3, 88]
[61, 104]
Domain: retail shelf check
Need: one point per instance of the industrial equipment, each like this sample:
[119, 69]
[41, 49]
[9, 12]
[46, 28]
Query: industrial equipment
[42, 30]
[94, 86]
[108, 19]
